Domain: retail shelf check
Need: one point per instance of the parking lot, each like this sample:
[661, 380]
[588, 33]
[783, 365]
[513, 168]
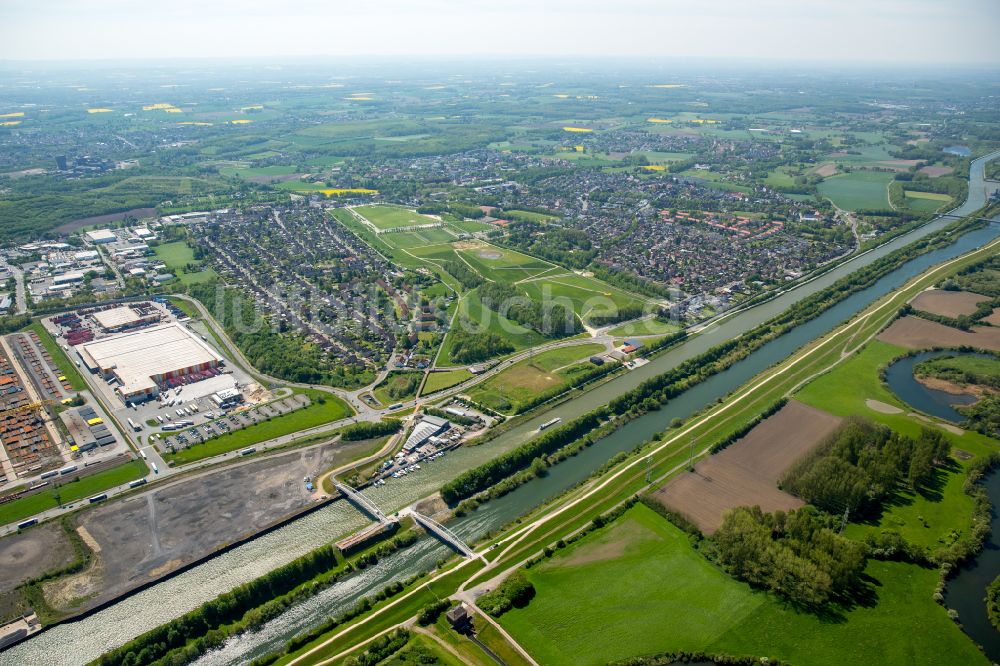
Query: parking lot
[215, 423]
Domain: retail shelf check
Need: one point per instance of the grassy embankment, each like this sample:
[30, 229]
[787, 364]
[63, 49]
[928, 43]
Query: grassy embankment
[70, 490]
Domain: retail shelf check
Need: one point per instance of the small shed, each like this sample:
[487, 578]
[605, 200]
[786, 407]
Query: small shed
[458, 617]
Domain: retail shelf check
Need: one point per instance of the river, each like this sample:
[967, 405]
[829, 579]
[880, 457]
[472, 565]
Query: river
[965, 592]
[85, 639]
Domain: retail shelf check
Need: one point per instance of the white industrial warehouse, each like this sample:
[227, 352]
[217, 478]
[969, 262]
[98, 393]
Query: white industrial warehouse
[142, 360]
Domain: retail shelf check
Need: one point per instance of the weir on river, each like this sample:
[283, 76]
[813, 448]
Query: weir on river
[87, 638]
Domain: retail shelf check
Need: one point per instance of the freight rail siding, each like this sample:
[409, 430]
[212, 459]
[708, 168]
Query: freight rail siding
[88, 638]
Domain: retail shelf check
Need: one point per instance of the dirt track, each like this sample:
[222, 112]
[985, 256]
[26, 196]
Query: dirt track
[747, 473]
[947, 303]
[917, 333]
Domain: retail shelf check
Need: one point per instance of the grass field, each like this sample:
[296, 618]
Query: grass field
[402, 385]
[642, 588]
[438, 381]
[858, 190]
[845, 390]
[71, 491]
[528, 378]
[390, 217]
[176, 256]
[257, 172]
[504, 265]
[589, 296]
[470, 226]
[926, 202]
[489, 321]
[645, 327]
[531, 216]
[315, 414]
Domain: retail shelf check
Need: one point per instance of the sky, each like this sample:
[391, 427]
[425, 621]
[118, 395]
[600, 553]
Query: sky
[876, 31]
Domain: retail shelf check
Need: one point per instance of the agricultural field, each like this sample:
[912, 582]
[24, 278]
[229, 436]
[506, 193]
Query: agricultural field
[525, 380]
[916, 333]
[947, 303]
[391, 217]
[667, 596]
[858, 190]
[747, 472]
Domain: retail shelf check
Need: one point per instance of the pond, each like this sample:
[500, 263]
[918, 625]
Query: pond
[899, 377]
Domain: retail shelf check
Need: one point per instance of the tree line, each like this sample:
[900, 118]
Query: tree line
[480, 478]
[863, 464]
[553, 320]
[795, 555]
[370, 429]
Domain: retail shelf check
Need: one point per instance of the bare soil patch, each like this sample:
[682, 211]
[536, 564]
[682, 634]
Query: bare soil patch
[31, 553]
[937, 171]
[994, 318]
[152, 534]
[947, 303]
[916, 333]
[747, 473]
[825, 170]
[881, 407]
[70, 227]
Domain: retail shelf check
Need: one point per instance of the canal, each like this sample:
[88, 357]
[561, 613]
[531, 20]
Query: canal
[86, 639]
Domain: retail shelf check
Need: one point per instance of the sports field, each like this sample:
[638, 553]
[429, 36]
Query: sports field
[858, 190]
[666, 596]
[525, 380]
[391, 217]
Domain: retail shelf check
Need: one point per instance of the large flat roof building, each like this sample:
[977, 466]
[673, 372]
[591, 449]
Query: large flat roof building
[121, 318]
[99, 236]
[141, 360]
